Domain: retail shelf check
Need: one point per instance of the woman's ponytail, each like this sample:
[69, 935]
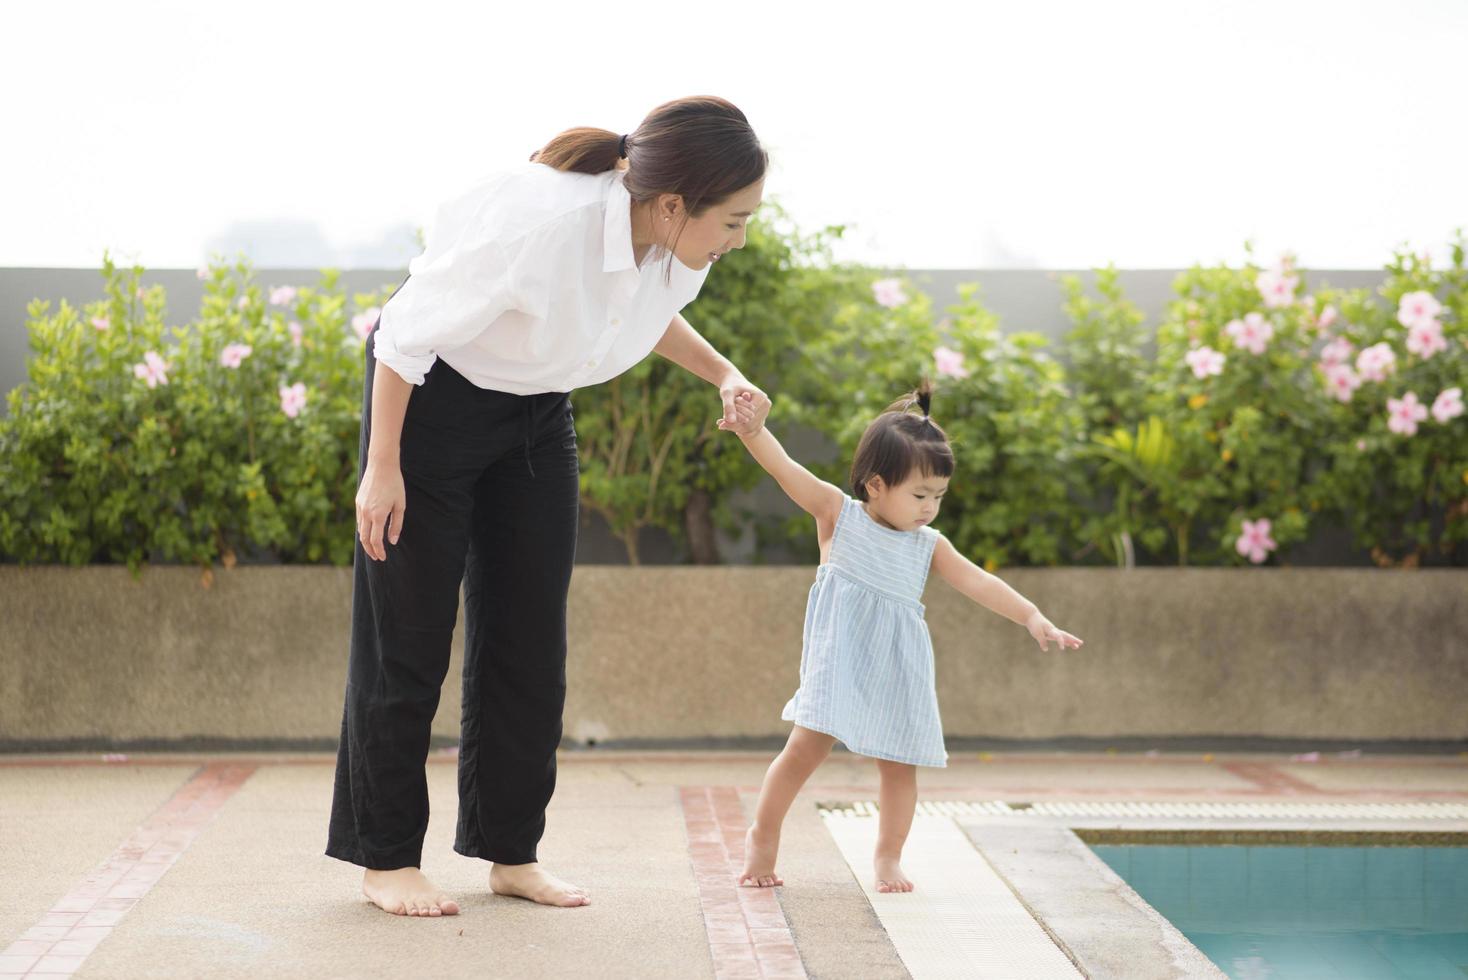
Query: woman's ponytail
[585, 150]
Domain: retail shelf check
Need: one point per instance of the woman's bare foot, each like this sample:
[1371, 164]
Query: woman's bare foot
[530, 881]
[406, 891]
[890, 877]
[759, 861]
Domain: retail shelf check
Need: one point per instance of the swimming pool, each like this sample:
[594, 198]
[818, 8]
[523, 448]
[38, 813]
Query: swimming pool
[1288, 912]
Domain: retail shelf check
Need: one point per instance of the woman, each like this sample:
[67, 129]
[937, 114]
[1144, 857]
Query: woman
[560, 273]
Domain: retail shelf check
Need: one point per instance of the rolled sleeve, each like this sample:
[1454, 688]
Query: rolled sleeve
[446, 303]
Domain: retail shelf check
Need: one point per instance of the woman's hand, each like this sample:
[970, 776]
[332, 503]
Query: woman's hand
[745, 406]
[381, 502]
[1044, 631]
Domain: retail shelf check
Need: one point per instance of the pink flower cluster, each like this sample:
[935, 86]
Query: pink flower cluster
[1252, 333]
[1323, 320]
[1376, 362]
[1335, 362]
[1418, 312]
[1404, 413]
[292, 399]
[364, 322]
[949, 362]
[234, 354]
[153, 371]
[1447, 405]
[888, 292]
[1204, 361]
[1254, 542]
[1277, 286]
[282, 295]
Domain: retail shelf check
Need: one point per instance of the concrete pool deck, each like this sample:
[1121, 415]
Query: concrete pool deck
[210, 865]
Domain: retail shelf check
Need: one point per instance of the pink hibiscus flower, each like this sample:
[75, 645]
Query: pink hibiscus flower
[1204, 361]
[292, 399]
[888, 292]
[1277, 287]
[1254, 542]
[1338, 351]
[1404, 413]
[282, 295]
[364, 322]
[1447, 405]
[153, 371]
[1252, 333]
[1416, 308]
[1342, 381]
[1376, 362]
[949, 362]
[1425, 338]
[101, 322]
[294, 329]
[233, 354]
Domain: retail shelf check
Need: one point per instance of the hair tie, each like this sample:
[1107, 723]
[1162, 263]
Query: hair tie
[622, 148]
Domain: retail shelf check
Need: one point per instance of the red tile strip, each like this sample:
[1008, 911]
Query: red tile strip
[1272, 780]
[747, 932]
[60, 942]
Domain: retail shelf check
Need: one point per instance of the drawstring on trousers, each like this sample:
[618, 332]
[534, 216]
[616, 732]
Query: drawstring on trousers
[529, 402]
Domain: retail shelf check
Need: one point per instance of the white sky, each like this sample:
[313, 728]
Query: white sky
[945, 135]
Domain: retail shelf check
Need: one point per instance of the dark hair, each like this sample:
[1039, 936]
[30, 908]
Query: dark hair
[701, 148]
[900, 442]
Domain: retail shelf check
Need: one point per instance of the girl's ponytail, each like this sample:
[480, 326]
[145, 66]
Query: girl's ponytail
[921, 396]
[924, 397]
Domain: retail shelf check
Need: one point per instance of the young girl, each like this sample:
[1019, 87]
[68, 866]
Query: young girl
[866, 670]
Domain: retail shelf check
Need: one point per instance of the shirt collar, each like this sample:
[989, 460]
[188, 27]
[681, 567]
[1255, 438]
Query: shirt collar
[617, 229]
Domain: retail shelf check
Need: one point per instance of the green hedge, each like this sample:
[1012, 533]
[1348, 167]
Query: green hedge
[1250, 415]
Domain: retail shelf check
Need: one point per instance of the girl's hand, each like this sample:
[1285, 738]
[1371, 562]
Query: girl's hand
[381, 501]
[744, 415]
[745, 406]
[1044, 631]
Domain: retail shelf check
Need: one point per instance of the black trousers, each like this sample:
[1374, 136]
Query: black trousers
[492, 488]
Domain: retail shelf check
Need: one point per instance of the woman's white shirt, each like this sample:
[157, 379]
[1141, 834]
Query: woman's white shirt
[528, 284]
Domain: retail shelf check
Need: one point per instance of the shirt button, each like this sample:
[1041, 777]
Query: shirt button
[590, 364]
[616, 321]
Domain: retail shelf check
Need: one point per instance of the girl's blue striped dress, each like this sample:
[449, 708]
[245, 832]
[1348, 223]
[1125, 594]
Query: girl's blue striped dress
[866, 668]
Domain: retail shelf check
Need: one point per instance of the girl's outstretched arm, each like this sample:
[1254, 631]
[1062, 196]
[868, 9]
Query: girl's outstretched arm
[815, 496]
[992, 592]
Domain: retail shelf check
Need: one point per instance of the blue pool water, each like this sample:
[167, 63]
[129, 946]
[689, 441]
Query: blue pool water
[1310, 913]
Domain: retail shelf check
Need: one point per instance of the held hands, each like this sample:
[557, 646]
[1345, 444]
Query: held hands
[745, 407]
[381, 501]
[1044, 631]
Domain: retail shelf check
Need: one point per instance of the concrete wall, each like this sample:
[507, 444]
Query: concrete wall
[674, 654]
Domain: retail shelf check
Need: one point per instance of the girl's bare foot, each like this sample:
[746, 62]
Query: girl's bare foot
[759, 861]
[890, 877]
[406, 891]
[530, 881]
